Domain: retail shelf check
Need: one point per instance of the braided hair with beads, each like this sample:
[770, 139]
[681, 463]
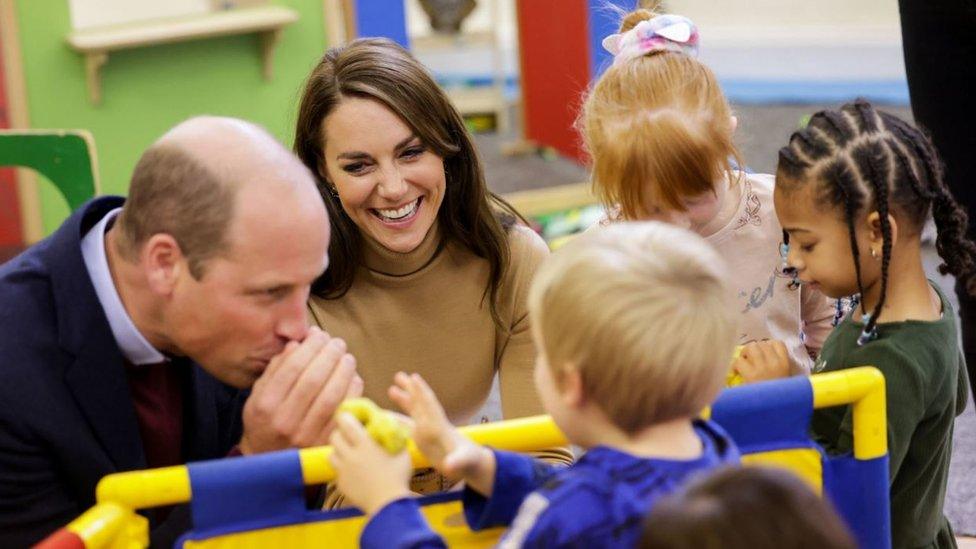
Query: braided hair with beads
[865, 160]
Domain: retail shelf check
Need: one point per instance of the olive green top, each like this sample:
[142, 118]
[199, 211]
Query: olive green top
[926, 387]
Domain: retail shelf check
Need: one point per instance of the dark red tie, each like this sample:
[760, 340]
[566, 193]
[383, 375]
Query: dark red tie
[157, 394]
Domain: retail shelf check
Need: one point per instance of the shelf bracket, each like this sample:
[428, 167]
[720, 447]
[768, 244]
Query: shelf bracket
[93, 68]
[269, 40]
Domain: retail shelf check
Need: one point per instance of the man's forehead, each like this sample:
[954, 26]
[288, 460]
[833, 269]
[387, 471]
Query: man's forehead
[248, 266]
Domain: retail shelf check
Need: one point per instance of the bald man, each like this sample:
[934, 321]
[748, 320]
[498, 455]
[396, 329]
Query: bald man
[128, 337]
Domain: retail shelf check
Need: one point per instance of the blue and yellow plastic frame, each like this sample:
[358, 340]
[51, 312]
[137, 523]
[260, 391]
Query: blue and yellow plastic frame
[259, 500]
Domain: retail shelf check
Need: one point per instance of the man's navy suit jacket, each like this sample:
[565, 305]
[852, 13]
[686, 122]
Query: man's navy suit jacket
[66, 415]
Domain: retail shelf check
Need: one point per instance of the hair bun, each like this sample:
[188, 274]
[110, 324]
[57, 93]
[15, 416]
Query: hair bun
[641, 14]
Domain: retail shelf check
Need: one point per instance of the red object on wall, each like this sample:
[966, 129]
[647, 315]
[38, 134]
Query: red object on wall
[555, 70]
[11, 232]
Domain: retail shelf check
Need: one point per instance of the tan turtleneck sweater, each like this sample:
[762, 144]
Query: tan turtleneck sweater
[423, 312]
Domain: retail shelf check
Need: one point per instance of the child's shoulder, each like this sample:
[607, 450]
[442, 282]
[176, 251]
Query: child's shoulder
[761, 183]
[757, 193]
[754, 221]
[573, 506]
[916, 356]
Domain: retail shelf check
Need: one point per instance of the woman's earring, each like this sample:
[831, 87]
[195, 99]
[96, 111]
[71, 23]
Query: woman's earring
[335, 193]
[874, 254]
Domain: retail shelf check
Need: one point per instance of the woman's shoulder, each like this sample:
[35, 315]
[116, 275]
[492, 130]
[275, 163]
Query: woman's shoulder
[526, 244]
[527, 252]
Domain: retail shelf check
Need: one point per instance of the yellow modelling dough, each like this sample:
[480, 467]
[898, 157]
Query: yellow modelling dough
[381, 425]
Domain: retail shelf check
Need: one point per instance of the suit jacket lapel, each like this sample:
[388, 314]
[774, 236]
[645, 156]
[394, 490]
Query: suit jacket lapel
[96, 378]
[201, 437]
[97, 381]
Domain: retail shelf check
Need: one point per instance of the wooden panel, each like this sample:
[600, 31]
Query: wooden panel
[10, 229]
[245, 20]
[15, 93]
[87, 14]
[554, 52]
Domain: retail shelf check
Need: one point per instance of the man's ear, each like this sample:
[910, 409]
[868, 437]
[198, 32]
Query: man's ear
[876, 235]
[163, 262]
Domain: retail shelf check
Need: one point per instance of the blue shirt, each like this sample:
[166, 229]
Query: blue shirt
[600, 501]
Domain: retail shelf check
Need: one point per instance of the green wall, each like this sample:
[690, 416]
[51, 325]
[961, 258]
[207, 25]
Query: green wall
[147, 90]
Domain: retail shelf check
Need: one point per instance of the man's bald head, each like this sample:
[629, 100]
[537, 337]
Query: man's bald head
[187, 183]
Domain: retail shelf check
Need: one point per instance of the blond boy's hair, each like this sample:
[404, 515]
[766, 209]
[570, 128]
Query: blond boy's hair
[642, 311]
[657, 128]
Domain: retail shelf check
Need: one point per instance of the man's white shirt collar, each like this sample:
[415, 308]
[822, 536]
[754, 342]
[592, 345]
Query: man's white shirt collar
[133, 345]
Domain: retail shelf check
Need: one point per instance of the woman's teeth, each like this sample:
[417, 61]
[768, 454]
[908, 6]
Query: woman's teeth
[395, 215]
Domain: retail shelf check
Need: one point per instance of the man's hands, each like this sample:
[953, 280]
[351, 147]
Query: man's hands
[763, 360]
[293, 402]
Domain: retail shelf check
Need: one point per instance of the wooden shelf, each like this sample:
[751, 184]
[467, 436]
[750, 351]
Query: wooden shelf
[97, 44]
[536, 202]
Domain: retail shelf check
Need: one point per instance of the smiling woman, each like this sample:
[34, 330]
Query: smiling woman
[428, 269]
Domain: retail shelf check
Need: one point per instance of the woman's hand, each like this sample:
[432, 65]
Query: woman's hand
[368, 475]
[763, 360]
[448, 451]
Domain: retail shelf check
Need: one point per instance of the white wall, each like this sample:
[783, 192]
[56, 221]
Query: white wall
[95, 13]
[758, 39]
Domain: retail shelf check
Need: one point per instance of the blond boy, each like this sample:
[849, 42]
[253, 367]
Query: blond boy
[634, 330]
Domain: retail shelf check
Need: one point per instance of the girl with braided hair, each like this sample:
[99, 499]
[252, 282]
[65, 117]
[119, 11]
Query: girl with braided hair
[859, 183]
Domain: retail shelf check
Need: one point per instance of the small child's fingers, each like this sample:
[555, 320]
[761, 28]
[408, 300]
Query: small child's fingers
[340, 446]
[350, 428]
[403, 419]
[420, 402]
[748, 358]
[400, 397]
[753, 351]
[782, 354]
[337, 440]
[425, 395]
[759, 354]
[401, 380]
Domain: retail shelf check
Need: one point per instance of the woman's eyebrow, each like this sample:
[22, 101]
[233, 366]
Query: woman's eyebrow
[405, 142]
[352, 155]
[359, 155]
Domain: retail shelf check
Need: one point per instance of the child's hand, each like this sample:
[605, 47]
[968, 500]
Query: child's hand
[368, 475]
[452, 454]
[763, 360]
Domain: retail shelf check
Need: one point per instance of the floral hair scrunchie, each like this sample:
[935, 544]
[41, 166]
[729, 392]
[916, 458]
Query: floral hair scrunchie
[662, 33]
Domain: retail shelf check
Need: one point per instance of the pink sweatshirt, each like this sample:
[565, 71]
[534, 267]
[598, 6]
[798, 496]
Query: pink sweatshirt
[771, 307]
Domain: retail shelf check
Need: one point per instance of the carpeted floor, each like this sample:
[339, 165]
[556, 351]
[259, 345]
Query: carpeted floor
[762, 131]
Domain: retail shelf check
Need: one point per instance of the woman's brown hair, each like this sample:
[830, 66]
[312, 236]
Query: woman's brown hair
[380, 70]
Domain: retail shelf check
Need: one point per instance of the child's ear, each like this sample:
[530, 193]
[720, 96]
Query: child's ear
[876, 235]
[733, 123]
[571, 387]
